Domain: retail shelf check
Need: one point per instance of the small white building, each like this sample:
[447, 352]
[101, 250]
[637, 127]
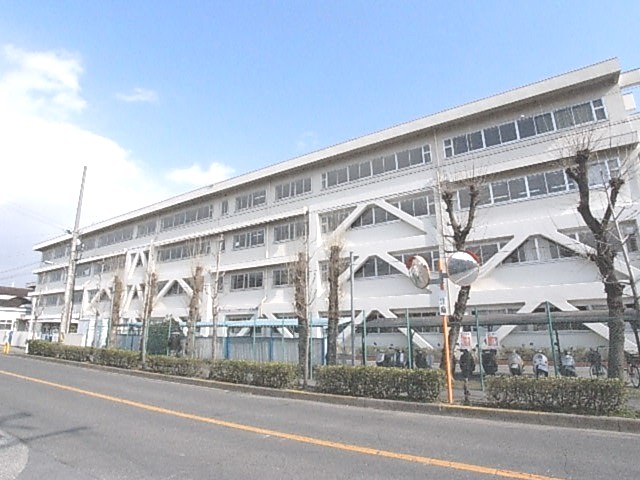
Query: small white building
[379, 197]
[15, 311]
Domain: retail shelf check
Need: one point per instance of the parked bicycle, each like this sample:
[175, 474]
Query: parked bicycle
[597, 369]
[633, 369]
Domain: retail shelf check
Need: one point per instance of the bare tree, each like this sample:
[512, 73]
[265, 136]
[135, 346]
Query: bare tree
[150, 287]
[301, 305]
[606, 249]
[460, 230]
[197, 285]
[334, 302]
[116, 306]
[215, 292]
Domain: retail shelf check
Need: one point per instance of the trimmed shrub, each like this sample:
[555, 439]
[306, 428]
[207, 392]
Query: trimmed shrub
[116, 358]
[181, 367]
[564, 395]
[376, 382]
[273, 375]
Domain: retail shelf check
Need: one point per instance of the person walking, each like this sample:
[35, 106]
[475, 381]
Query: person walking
[8, 336]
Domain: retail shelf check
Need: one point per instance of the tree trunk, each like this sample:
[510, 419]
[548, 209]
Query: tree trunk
[194, 310]
[334, 307]
[115, 313]
[301, 308]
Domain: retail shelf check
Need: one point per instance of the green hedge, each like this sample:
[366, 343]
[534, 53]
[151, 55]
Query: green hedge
[564, 395]
[378, 382]
[273, 374]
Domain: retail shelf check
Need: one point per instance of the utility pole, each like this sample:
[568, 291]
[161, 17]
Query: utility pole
[214, 300]
[65, 320]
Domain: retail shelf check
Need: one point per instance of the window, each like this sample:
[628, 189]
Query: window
[563, 118]
[282, 277]
[120, 235]
[245, 281]
[460, 145]
[224, 207]
[147, 228]
[293, 189]
[527, 252]
[508, 132]
[184, 250]
[174, 289]
[185, 217]
[373, 215]
[289, 231]
[331, 220]
[251, 200]
[417, 205]
[491, 136]
[83, 270]
[377, 166]
[544, 123]
[375, 267]
[525, 127]
[250, 239]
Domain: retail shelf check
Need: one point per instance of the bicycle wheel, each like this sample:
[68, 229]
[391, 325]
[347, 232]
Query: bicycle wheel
[634, 376]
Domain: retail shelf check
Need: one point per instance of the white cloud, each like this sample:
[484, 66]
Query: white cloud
[43, 154]
[138, 95]
[194, 176]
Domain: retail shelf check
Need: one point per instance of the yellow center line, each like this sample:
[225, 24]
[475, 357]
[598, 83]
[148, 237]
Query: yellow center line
[496, 472]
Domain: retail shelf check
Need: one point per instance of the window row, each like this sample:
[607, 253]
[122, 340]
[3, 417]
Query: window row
[377, 166]
[525, 127]
[184, 250]
[293, 188]
[251, 200]
[254, 238]
[188, 216]
[537, 184]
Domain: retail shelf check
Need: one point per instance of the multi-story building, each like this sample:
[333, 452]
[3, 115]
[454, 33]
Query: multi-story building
[379, 197]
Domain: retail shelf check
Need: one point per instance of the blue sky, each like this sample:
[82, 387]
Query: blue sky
[160, 97]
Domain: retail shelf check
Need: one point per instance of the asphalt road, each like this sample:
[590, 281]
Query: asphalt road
[67, 422]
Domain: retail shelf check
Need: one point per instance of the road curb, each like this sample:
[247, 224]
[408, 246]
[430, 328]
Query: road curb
[615, 424]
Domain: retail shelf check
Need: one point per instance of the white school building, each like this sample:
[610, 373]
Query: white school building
[378, 196]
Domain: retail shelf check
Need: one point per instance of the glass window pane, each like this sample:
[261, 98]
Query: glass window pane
[485, 195]
[407, 206]
[332, 178]
[367, 217]
[369, 267]
[537, 185]
[517, 188]
[415, 156]
[378, 166]
[465, 198]
[491, 136]
[342, 175]
[526, 127]
[403, 159]
[390, 163]
[354, 172]
[500, 192]
[365, 169]
[564, 118]
[488, 251]
[544, 123]
[508, 132]
[475, 140]
[582, 113]
[420, 206]
[555, 181]
[460, 145]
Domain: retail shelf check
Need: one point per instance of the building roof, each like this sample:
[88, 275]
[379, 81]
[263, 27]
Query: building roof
[11, 297]
[608, 70]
